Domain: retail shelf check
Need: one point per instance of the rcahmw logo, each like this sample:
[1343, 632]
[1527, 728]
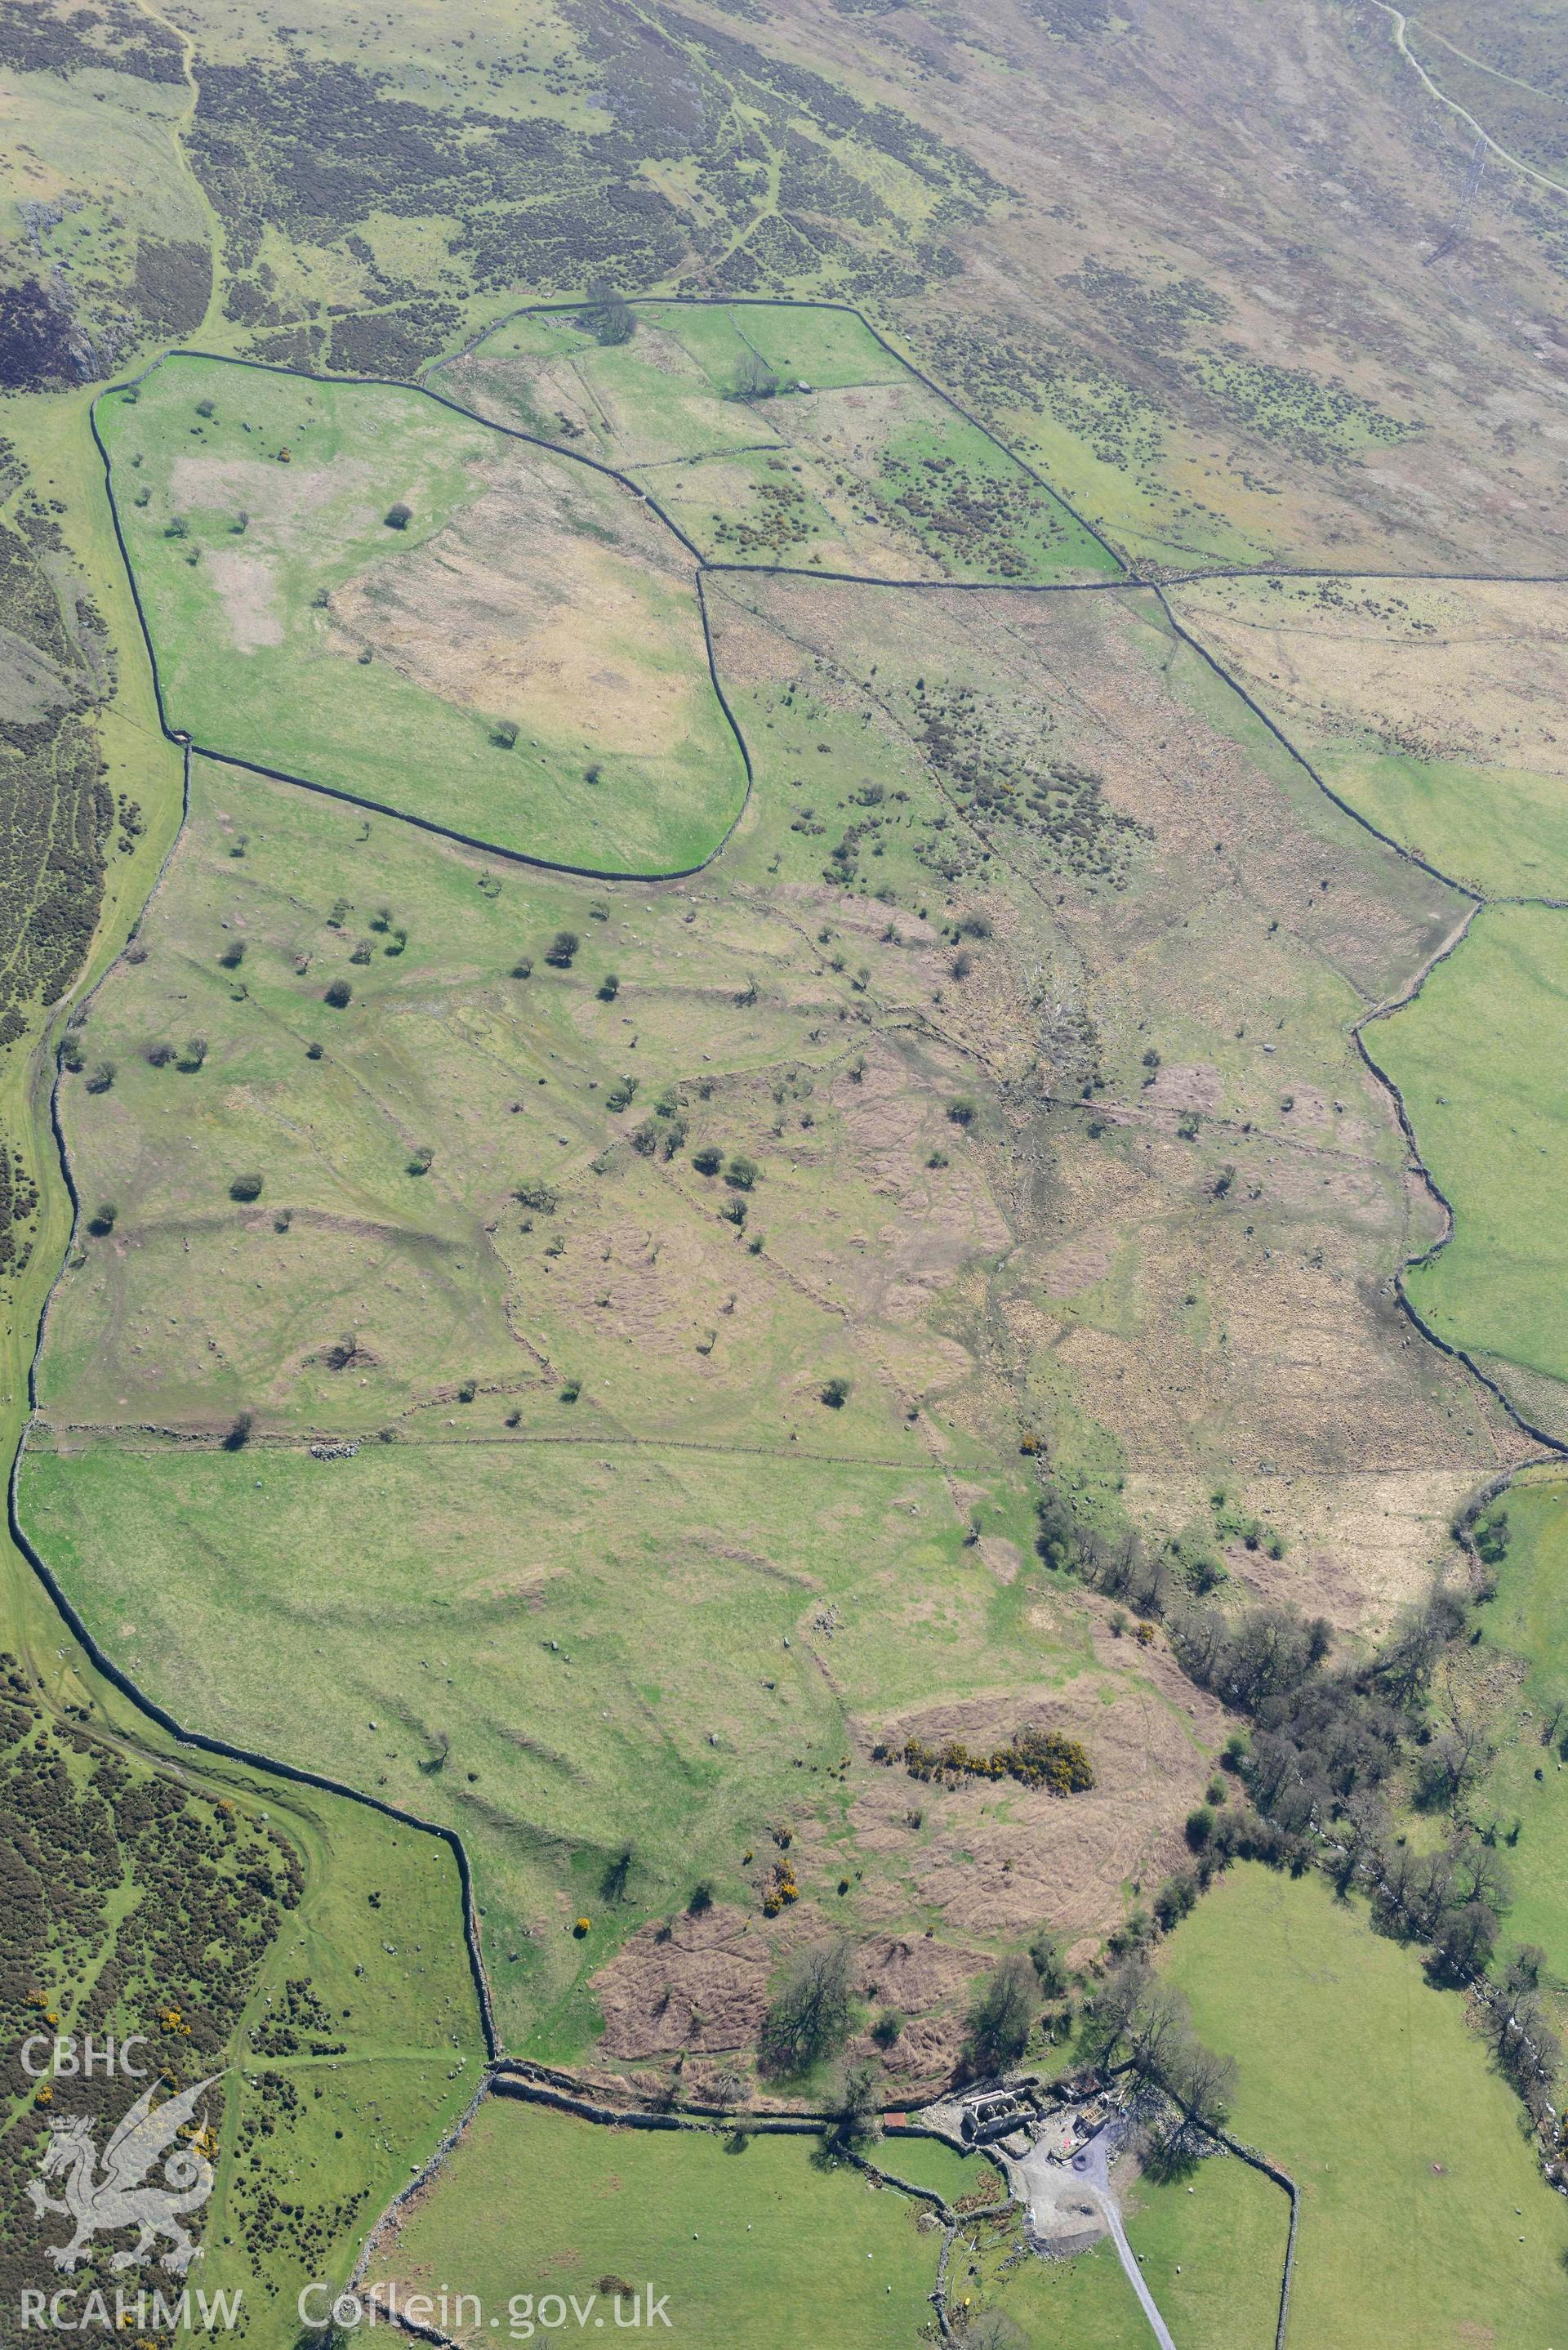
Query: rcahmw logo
[71, 2312]
[154, 2170]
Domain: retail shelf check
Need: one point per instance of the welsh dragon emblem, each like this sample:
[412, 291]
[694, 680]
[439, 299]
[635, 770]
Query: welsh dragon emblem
[119, 2194]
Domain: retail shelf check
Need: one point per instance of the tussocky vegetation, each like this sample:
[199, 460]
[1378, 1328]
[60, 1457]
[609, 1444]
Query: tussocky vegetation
[984, 1128]
[781, 433]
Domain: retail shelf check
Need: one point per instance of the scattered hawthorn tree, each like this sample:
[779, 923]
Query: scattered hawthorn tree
[992, 2329]
[617, 1874]
[1454, 1758]
[811, 2010]
[1000, 2016]
[856, 2121]
[1050, 1965]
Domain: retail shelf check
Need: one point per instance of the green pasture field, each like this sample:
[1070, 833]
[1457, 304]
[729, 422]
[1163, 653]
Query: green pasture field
[1479, 1058]
[754, 2241]
[1501, 831]
[830, 349]
[928, 2162]
[539, 2201]
[852, 464]
[1527, 1784]
[295, 629]
[1368, 2087]
[637, 403]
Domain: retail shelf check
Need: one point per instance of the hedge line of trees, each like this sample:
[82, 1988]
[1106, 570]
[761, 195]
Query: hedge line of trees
[1333, 1754]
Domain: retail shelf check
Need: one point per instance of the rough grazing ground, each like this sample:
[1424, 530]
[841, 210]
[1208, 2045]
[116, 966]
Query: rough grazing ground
[843, 458]
[484, 1225]
[1434, 708]
[520, 657]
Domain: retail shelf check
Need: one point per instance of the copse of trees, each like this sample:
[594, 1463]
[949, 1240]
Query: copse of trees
[753, 378]
[607, 316]
[1141, 2019]
[1326, 1741]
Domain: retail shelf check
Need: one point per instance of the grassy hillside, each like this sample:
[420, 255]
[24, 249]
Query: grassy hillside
[1430, 706]
[356, 586]
[745, 1257]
